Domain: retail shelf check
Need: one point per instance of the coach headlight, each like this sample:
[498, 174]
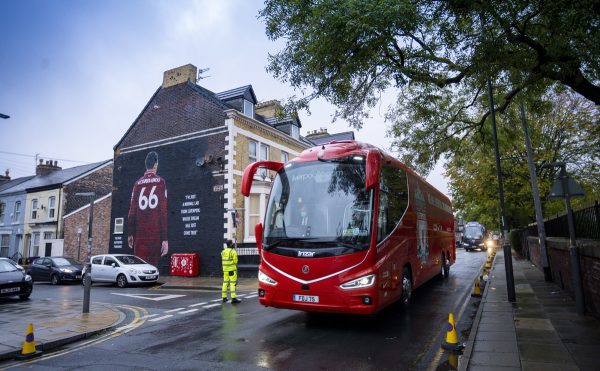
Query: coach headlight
[266, 279]
[364, 281]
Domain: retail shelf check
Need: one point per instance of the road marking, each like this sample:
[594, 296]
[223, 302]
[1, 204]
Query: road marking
[160, 318]
[189, 311]
[153, 297]
[211, 305]
[198, 304]
[151, 315]
[217, 300]
[174, 310]
[251, 296]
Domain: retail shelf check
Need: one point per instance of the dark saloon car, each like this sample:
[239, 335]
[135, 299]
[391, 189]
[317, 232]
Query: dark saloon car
[55, 269]
[14, 282]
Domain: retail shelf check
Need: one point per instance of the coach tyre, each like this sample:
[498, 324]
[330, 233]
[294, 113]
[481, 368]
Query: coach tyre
[406, 288]
[121, 280]
[446, 265]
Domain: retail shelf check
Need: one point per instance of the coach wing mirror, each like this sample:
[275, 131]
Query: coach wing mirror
[250, 170]
[372, 169]
[258, 233]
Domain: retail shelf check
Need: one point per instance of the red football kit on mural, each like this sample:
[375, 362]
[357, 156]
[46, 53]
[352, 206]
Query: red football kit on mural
[147, 219]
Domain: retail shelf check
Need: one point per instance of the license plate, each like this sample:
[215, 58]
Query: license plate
[10, 289]
[150, 277]
[306, 298]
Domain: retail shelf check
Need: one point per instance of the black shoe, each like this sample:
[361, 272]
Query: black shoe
[235, 301]
[225, 300]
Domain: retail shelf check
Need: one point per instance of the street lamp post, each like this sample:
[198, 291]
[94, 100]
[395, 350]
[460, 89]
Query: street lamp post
[79, 244]
[88, 266]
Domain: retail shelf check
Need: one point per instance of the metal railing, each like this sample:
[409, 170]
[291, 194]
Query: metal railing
[587, 224]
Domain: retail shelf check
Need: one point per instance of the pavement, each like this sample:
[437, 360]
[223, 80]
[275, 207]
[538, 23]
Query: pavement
[540, 331]
[56, 323]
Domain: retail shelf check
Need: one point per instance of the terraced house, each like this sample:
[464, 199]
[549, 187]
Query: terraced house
[179, 166]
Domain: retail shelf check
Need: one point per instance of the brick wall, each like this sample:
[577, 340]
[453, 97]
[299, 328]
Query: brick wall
[100, 230]
[99, 181]
[560, 264]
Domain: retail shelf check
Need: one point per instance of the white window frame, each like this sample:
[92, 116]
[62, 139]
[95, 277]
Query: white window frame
[252, 155]
[34, 209]
[285, 157]
[263, 173]
[295, 132]
[48, 235]
[248, 108]
[263, 196]
[119, 223]
[2, 212]
[35, 244]
[51, 207]
[16, 212]
[4, 245]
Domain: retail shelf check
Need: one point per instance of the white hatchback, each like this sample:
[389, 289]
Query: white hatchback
[121, 269]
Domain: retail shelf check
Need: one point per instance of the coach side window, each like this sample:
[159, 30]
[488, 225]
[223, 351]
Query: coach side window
[393, 200]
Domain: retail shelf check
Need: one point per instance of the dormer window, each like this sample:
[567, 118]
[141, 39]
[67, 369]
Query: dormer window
[248, 108]
[295, 132]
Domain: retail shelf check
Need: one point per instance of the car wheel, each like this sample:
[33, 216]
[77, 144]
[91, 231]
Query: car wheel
[54, 279]
[121, 280]
[406, 288]
[24, 296]
[83, 280]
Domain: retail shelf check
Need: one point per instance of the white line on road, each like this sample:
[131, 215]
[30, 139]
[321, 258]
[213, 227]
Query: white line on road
[217, 300]
[151, 315]
[160, 318]
[189, 311]
[198, 304]
[251, 296]
[174, 310]
[211, 305]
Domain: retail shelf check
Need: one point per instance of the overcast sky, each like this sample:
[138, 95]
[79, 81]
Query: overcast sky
[74, 75]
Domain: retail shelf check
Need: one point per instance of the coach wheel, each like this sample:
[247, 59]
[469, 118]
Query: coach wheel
[121, 281]
[406, 288]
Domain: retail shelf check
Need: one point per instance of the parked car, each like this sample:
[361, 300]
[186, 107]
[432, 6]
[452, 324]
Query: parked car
[14, 263]
[55, 269]
[14, 282]
[122, 269]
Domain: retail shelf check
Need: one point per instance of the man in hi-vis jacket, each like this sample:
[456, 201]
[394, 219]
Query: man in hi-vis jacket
[229, 259]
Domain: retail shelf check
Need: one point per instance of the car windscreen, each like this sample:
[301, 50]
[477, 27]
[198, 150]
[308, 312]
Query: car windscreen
[6, 267]
[320, 205]
[61, 262]
[130, 259]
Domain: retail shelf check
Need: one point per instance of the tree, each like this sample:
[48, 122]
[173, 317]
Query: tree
[563, 126]
[436, 55]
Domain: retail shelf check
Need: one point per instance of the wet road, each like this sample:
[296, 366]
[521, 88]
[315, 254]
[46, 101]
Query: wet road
[249, 336]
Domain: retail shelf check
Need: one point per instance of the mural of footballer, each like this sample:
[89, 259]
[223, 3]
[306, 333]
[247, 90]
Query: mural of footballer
[147, 218]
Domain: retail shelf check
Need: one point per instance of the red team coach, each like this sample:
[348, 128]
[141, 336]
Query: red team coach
[349, 229]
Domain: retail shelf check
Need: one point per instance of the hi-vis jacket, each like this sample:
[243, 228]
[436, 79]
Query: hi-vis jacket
[229, 259]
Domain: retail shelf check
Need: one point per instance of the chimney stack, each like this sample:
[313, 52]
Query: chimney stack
[269, 109]
[322, 132]
[46, 168]
[4, 178]
[179, 75]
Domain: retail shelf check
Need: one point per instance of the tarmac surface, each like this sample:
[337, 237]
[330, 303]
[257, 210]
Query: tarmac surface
[540, 331]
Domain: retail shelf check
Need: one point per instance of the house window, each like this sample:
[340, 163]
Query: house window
[285, 157]
[252, 152]
[248, 108]
[17, 211]
[48, 235]
[34, 207]
[295, 132]
[119, 225]
[4, 245]
[2, 208]
[264, 156]
[51, 207]
[35, 244]
[253, 213]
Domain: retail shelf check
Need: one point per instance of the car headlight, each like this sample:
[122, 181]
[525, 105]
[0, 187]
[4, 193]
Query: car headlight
[27, 277]
[364, 281]
[66, 270]
[266, 279]
[489, 243]
[133, 271]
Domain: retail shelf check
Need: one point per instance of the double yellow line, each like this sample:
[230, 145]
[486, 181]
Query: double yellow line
[139, 318]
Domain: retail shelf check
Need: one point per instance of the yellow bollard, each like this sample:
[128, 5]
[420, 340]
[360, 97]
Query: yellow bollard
[476, 290]
[29, 350]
